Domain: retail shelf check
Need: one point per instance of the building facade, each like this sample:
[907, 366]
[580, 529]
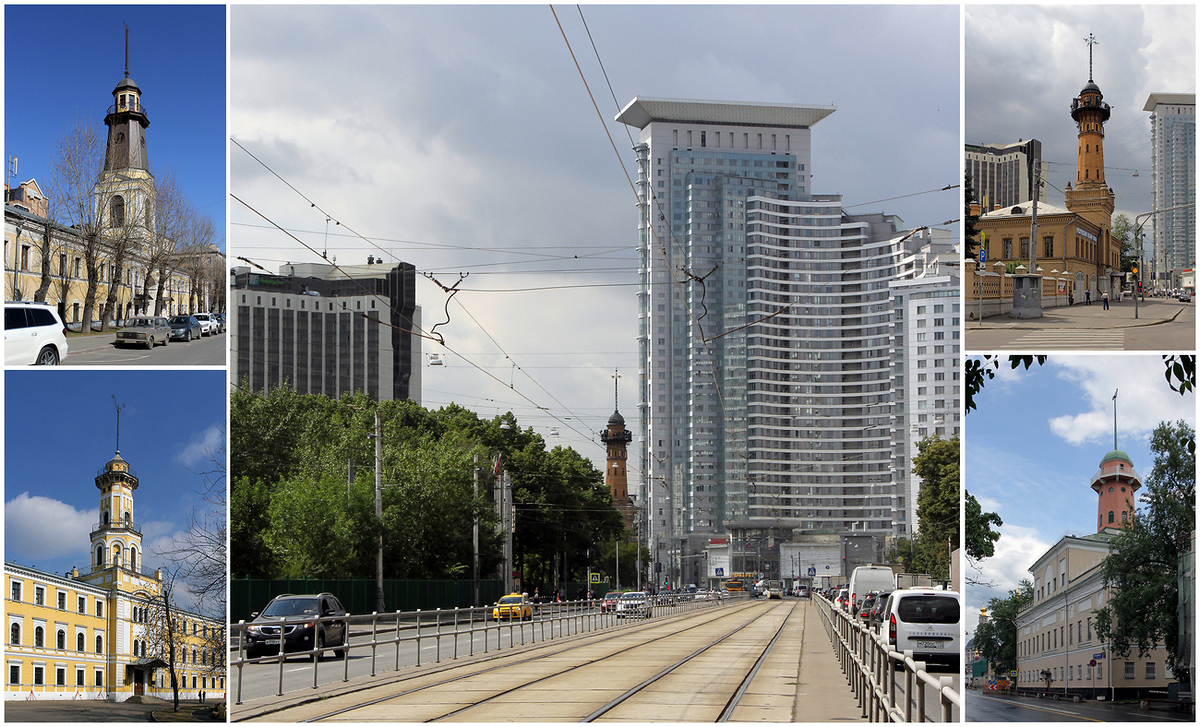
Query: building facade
[1173, 164]
[325, 329]
[1002, 175]
[151, 274]
[100, 633]
[764, 323]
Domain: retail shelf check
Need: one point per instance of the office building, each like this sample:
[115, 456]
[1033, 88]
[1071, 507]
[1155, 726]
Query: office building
[328, 329]
[1173, 163]
[1002, 174]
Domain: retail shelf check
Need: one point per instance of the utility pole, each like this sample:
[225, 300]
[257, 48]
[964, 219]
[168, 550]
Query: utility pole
[379, 510]
[475, 533]
[508, 547]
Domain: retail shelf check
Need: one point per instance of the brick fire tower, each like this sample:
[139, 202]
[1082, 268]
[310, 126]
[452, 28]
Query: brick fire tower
[617, 438]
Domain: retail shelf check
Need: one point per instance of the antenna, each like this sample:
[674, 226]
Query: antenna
[119, 408]
[616, 375]
[1091, 41]
[127, 50]
[1115, 419]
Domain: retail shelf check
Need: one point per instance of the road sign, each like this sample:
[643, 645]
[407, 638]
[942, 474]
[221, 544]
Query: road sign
[812, 571]
[1098, 656]
[983, 255]
[1092, 662]
[595, 578]
[719, 572]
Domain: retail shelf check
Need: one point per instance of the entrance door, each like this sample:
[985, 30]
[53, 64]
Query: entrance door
[139, 682]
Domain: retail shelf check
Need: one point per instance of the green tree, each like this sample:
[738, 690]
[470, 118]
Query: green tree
[937, 505]
[1122, 233]
[981, 539]
[996, 639]
[1143, 561]
[971, 228]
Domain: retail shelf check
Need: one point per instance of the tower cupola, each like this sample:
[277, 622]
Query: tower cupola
[1116, 483]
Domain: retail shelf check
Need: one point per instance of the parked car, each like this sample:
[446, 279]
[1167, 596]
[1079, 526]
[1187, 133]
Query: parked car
[33, 334]
[635, 604]
[1185, 297]
[302, 624]
[207, 326]
[185, 328]
[222, 323]
[926, 621]
[514, 605]
[148, 331]
[609, 602]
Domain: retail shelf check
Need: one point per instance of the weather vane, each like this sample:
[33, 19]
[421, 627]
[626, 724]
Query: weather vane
[119, 408]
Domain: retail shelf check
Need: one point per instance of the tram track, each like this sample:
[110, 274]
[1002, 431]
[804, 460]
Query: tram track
[513, 690]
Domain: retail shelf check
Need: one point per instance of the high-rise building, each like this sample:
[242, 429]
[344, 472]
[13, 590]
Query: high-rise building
[326, 329]
[1002, 174]
[1173, 161]
[763, 337]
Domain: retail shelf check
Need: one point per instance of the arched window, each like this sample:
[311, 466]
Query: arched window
[14, 634]
[133, 558]
[116, 212]
[104, 520]
[79, 641]
[99, 644]
[61, 643]
[1124, 517]
[116, 553]
[99, 555]
[1111, 516]
[39, 637]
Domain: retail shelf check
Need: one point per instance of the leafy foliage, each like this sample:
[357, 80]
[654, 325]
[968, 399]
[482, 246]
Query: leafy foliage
[971, 228]
[937, 505]
[1122, 233]
[981, 368]
[981, 539]
[1142, 566]
[997, 638]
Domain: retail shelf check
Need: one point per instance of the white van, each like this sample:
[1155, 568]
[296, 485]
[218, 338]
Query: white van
[926, 621]
[867, 578]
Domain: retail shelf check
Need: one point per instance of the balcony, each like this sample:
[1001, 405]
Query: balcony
[128, 525]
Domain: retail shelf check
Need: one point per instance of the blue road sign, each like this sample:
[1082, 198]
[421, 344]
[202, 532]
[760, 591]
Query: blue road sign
[720, 572]
[983, 255]
[812, 571]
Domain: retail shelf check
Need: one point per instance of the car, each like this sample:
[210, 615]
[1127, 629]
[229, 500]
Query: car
[148, 331]
[185, 328]
[635, 604]
[1185, 297]
[208, 327]
[609, 602]
[867, 578]
[926, 621]
[803, 592]
[843, 595]
[514, 605]
[877, 611]
[34, 335]
[306, 622]
[219, 319]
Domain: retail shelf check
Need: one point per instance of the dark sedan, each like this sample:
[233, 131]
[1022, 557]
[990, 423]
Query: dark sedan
[185, 328]
[303, 622]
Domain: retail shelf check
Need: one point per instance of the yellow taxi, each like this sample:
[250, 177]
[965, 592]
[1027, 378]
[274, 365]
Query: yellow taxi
[514, 605]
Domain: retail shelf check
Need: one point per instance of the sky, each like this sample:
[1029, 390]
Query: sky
[1024, 64]
[463, 140]
[176, 57]
[1036, 439]
[60, 431]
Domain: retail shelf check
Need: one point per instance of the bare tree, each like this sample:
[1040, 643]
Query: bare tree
[171, 216]
[164, 631]
[74, 172]
[125, 232]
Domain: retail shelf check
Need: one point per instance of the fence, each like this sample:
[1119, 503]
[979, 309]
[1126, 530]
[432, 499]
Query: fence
[453, 632]
[870, 665]
[247, 596]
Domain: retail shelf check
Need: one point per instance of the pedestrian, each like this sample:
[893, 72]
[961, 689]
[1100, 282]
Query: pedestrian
[1104, 299]
[201, 696]
[1087, 296]
[1071, 297]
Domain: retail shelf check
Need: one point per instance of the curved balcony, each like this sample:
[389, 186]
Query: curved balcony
[128, 525]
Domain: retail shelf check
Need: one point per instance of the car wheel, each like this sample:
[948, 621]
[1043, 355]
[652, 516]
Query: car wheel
[320, 646]
[187, 336]
[150, 344]
[48, 356]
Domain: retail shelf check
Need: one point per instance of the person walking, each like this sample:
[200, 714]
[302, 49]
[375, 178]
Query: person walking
[1087, 296]
[1104, 299]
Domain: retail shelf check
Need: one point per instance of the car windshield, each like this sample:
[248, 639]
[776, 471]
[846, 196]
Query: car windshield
[511, 599]
[614, 594]
[179, 319]
[291, 607]
[143, 323]
[928, 609]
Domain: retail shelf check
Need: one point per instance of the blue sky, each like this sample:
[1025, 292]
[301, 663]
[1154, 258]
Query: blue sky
[176, 56]
[1037, 438]
[60, 431]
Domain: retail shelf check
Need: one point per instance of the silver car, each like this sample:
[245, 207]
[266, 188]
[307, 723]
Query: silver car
[148, 331]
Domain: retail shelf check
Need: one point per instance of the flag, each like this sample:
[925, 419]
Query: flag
[499, 459]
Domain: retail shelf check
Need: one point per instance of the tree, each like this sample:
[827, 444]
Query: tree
[164, 637]
[981, 539]
[74, 172]
[971, 228]
[1142, 566]
[1122, 232]
[937, 505]
[172, 214]
[996, 638]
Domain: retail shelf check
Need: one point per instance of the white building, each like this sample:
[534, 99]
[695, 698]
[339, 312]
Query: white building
[1173, 160]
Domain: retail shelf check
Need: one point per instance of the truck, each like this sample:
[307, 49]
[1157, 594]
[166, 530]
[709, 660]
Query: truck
[913, 580]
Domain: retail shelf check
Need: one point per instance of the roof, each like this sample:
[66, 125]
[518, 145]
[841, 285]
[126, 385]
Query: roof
[1116, 454]
[1025, 209]
[616, 418]
[640, 112]
[1158, 97]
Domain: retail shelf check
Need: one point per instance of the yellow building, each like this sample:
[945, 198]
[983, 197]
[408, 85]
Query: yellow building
[100, 634]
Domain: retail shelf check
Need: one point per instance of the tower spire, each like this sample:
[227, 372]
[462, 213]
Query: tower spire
[1091, 41]
[119, 408]
[127, 50]
[616, 375]
[1115, 447]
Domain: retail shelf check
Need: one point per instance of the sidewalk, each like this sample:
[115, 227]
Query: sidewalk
[1151, 312]
[822, 691]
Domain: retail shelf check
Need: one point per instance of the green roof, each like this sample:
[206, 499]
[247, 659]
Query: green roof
[1116, 454]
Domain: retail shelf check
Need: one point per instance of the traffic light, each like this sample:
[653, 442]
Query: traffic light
[1135, 269]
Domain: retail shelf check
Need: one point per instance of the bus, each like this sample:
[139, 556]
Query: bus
[775, 589]
[733, 586]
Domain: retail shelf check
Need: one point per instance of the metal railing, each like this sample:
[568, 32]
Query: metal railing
[871, 667]
[454, 632]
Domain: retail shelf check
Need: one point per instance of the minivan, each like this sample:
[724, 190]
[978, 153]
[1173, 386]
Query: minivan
[926, 621]
[867, 578]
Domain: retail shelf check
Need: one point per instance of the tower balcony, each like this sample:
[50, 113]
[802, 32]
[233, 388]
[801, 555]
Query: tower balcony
[1088, 107]
[118, 525]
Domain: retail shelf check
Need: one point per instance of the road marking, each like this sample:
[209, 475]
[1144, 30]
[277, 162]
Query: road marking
[1067, 339]
[1043, 709]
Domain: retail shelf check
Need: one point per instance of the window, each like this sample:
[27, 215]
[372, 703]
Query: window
[14, 674]
[1099, 670]
[99, 608]
[1049, 246]
[1129, 670]
[16, 591]
[60, 676]
[99, 644]
[79, 677]
[79, 641]
[61, 640]
[62, 600]
[99, 677]
[39, 676]
[39, 637]
[14, 634]
[1151, 670]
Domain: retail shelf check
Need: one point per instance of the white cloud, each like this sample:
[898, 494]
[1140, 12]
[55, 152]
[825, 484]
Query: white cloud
[202, 447]
[1016, 550]
[41, 527]
[1144, 399]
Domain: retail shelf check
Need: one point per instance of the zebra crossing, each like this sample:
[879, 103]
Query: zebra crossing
[1068, 340]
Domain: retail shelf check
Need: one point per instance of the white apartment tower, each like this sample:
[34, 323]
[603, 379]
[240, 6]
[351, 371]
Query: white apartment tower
[763, 336]
[1173, 161]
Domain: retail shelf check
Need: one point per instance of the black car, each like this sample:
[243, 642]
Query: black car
[307, 622]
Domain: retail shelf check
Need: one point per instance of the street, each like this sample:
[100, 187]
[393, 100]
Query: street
[100, 350]
[996, 708]
[1162, 324]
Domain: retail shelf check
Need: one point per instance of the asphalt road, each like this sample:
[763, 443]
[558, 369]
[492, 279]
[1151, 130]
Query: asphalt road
[995, 708]
[100, 350]
[1162, 324]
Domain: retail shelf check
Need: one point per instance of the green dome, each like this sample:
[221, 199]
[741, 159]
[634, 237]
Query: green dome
[1116, 454]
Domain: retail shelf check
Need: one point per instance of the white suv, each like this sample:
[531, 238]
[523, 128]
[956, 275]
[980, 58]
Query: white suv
[33, 334]
[926, 621]
[208, 326]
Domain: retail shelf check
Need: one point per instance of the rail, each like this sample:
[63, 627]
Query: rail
[452, 632]
[871, 667]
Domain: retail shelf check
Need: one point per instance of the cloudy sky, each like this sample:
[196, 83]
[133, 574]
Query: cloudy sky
[1037, 438]
[462, 140]
[1025, 63]
[58, 437]
[177, 59]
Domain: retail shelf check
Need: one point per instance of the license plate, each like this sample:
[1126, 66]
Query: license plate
[931, 644]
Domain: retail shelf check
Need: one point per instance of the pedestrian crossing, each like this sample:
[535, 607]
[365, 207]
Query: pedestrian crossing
[1069, 340]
